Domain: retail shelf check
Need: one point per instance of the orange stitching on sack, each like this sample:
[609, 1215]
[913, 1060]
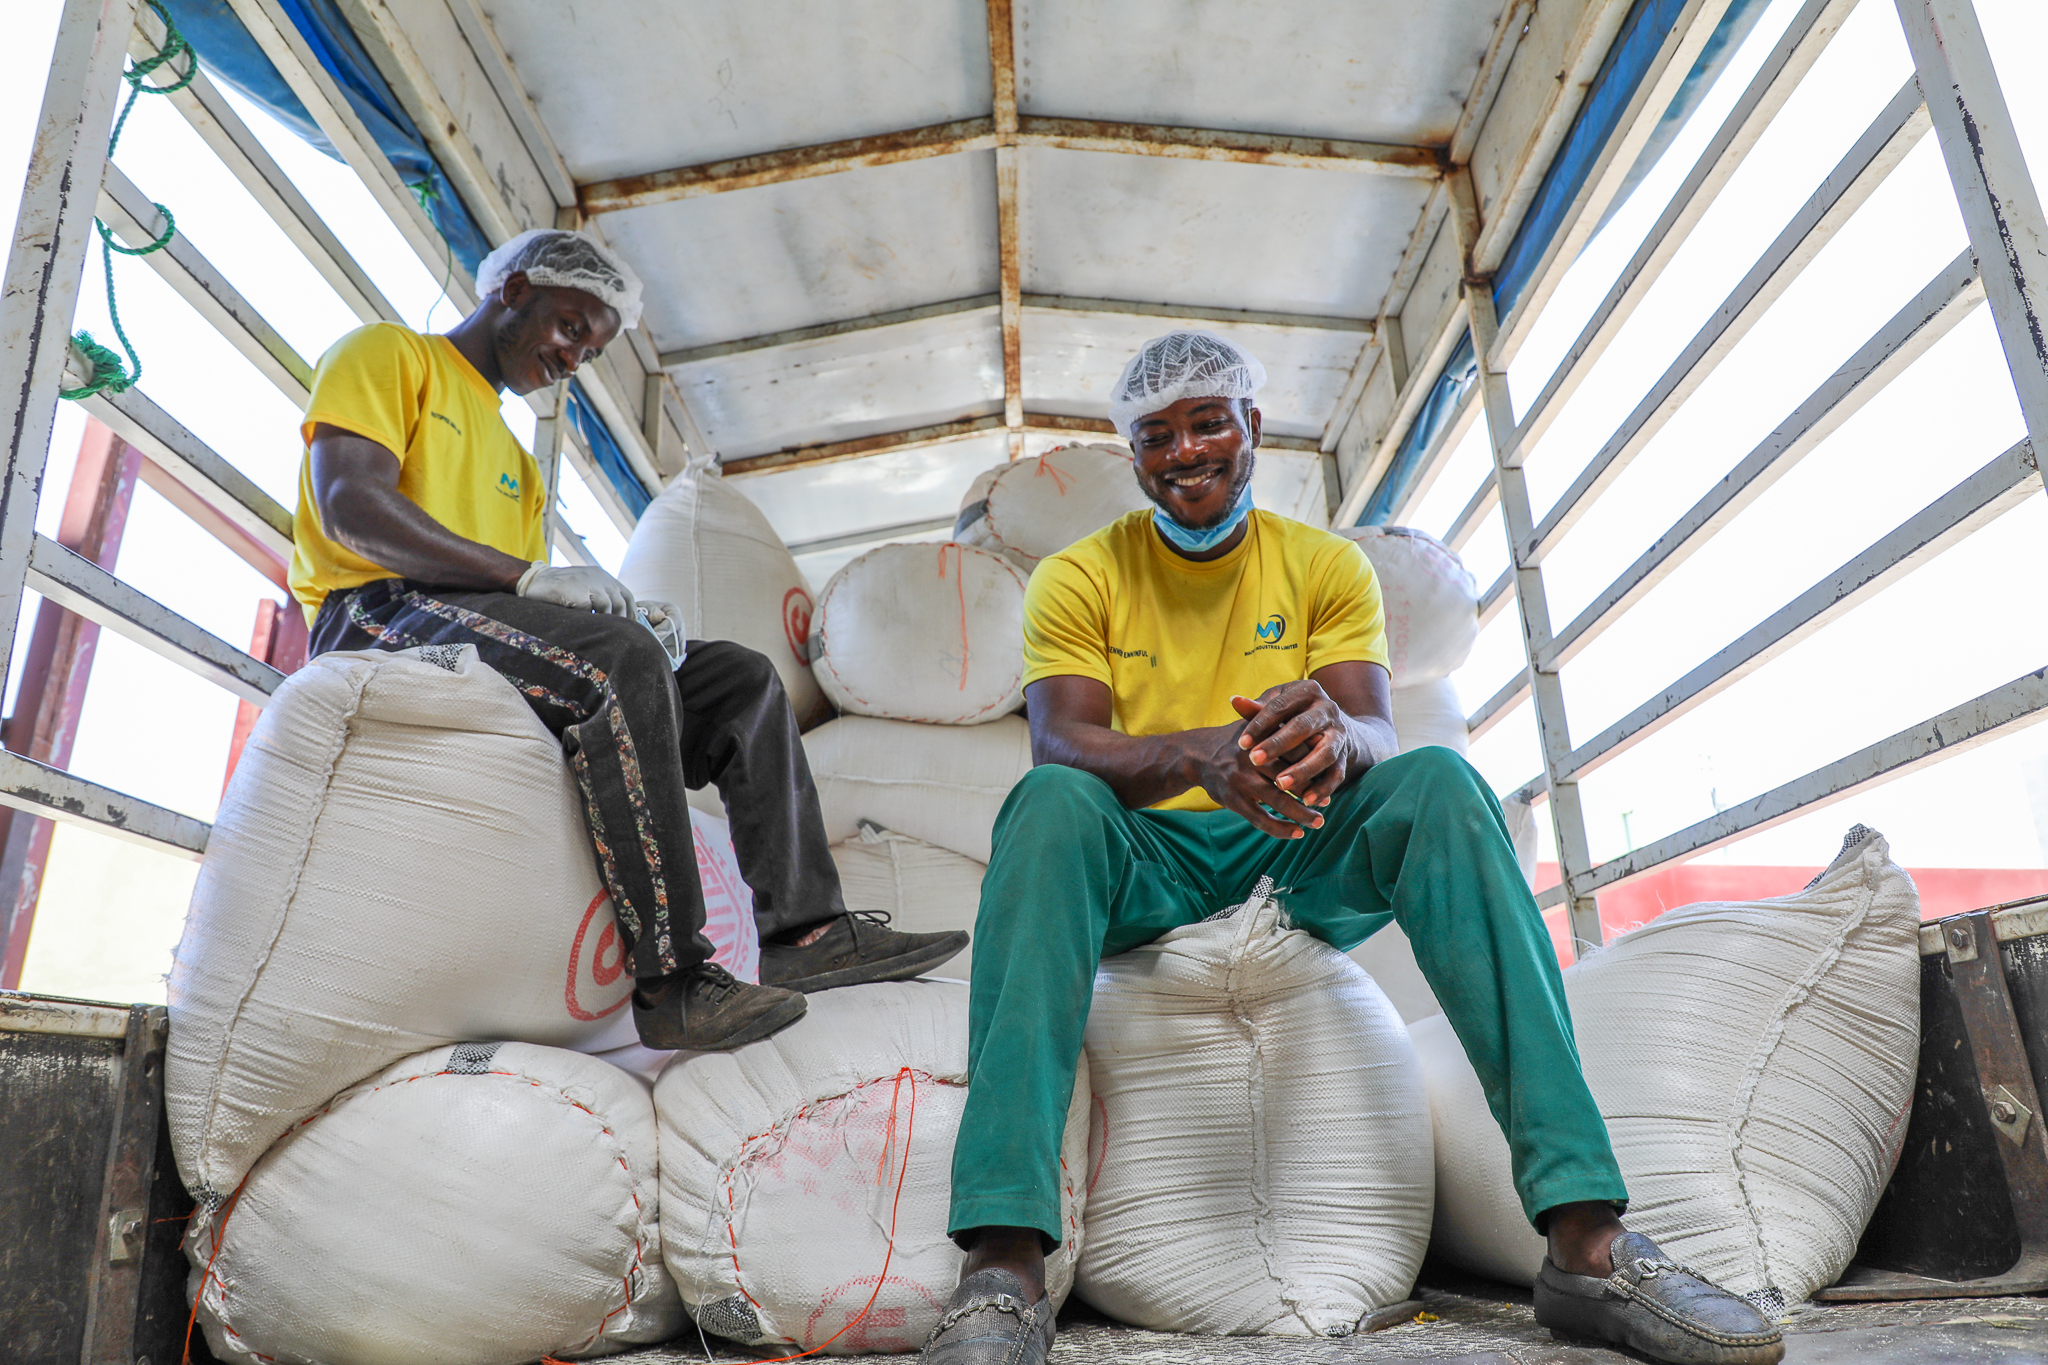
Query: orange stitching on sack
[639, 1246]
[910, 1128]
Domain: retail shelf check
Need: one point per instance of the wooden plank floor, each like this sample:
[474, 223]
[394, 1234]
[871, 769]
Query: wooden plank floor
[1478, 1322]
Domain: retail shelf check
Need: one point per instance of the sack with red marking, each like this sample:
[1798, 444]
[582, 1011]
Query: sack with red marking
[1028, 509]
[922, 632]
[806, 1179]
[704, 546]
[489, 1203]
[400, 862]
[1431, 605]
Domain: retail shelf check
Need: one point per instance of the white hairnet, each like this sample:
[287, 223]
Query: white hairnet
[1190, 364]
[561, 259]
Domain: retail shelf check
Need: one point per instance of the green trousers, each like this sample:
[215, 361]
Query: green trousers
[1418, 840]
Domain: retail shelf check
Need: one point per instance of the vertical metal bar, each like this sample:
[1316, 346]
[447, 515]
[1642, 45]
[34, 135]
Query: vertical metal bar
[2001, 208]
[1566, 814]
[44, 264]
[1002, 57]
[44, 725]
[547, 449]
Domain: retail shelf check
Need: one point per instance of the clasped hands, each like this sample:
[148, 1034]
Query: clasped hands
[1291, 754]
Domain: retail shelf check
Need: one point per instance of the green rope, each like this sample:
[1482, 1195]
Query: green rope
[108, 373]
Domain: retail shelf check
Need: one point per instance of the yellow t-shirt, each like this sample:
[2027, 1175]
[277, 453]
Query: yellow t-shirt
[1173, 638]
[418, 398]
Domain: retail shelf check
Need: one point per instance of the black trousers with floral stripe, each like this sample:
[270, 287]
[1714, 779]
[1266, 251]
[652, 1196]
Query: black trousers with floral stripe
[637, 735]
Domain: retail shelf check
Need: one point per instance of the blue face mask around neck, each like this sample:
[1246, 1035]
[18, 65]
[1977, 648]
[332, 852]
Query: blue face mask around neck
[1190, 541]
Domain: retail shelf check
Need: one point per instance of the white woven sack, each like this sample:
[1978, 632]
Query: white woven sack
[922, 887]
[931, 633]
[939, 783]
[786, 1164]
[1032, 508]
[1264, 1137]
[1431, 604]
[704, 546]
[1755, 1061]
[486, 1204]
[1429, 713]
[400, 861]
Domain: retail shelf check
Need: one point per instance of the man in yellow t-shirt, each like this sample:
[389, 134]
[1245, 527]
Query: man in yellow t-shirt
[421, 522]
[1210, 713]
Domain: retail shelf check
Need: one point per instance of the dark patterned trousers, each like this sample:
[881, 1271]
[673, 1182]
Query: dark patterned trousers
[637, 735]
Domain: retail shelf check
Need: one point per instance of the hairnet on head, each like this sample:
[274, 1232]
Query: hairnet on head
[561, 259]
[1190, 364]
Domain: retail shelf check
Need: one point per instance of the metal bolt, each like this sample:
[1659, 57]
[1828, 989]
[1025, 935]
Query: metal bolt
[2003, 1112]
[1960, 937]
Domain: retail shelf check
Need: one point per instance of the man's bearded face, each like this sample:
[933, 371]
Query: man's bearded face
[1193, 459]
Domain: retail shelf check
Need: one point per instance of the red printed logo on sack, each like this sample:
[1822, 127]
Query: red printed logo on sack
[597, 966]
[796, 622]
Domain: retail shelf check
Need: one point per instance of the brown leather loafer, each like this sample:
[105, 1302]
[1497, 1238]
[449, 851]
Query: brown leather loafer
[1654, 1305]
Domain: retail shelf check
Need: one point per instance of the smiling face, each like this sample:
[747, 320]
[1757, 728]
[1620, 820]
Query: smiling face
[1193, 459]
[546, 333]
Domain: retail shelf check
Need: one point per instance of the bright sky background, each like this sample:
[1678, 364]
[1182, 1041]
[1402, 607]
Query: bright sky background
[1947, 633]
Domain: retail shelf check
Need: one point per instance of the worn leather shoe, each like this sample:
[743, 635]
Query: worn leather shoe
[857, 949]
[1654, 1305]
[989, 1321]
[708, 1009]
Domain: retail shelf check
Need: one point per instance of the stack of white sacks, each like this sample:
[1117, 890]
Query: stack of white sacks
[404, 1086]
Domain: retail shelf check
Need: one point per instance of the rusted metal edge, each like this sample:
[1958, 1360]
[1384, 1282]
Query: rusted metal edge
[794, 163]
[1218, 144]
[981, 134]
[885, 443]
[21, 1013]
[1052, 303]
[830, 452]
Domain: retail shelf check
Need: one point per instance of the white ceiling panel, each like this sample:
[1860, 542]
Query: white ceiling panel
[1372, 70]
[849, 496]
[679, 85]
[1214, 234]
[843, 387]
[728, 266]
[1071, 359]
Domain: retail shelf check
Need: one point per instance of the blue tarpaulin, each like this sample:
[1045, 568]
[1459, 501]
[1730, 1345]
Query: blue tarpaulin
[232, 57]
[1621, 71]
[605, 450]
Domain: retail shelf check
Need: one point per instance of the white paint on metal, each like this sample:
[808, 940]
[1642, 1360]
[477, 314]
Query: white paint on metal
[2004, 709]
[54, 794]
[45, 261]
[1805, 38]
[83, 588]
[2001, 206]
[136, 221]
[1883, 145]
[1999, 487]
[1952, 295]
[166, 443]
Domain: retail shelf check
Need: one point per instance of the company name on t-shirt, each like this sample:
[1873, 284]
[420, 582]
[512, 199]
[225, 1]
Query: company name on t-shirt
[1145, 654]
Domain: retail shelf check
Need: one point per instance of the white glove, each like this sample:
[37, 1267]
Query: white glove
[579, 587]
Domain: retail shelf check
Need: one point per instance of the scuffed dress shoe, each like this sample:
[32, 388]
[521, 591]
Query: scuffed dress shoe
[990, 1321]
[1654, 1305]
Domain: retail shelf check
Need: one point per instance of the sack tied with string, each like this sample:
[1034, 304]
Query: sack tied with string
[806, 1178]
